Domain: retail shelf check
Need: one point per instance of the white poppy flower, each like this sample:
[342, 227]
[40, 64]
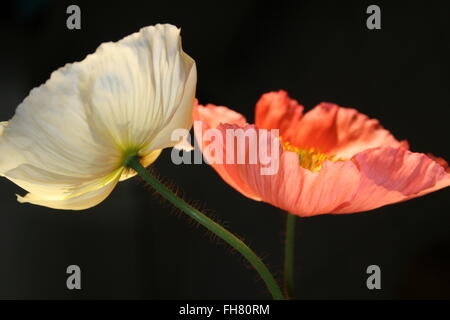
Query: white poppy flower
[69, 139]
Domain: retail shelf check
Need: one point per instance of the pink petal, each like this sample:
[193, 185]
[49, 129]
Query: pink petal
[215, 115]
[390, 175]
[328, 127]
[212, 116]
[370, 179]
[275, 110]
[304, 192]
[293, 188]
[441, 161]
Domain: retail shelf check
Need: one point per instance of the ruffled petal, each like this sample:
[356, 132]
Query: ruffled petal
[379, 169]
[290, 187]
[332, 129]
[390, 175]
[50, 130]
[441, 161]
[48, 148]
[181, 118]
[210, 117]
[139, 103]
[215, 115]
[69, 136]
[6, 163]
[275, 110]
[79, 202]
[343, 131]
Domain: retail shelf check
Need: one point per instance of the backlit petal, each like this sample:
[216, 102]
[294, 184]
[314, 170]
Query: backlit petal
[296, 189]
[212, 116]
[67, 141]
[79, 202]
[304, 192]
[292, 188]
[390, 175]
[139, 103]
[275, 110]
[379, 170]
[215, 115]
[327, 127]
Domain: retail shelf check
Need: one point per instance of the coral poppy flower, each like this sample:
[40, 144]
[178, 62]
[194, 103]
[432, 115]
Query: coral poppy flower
[332, 159]
[69, 139]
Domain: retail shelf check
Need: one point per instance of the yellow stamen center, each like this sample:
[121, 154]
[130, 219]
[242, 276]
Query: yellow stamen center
[311, 158]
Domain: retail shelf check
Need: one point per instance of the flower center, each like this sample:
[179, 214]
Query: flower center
[311, 158]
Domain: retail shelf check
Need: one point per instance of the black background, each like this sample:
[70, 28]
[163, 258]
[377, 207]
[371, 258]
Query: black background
[131, 246]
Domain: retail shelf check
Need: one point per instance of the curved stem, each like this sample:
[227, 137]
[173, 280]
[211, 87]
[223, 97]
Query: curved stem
[289, 256]
[212, 226]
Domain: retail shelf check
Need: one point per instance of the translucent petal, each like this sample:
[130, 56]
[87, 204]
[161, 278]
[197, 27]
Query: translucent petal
[67, 141]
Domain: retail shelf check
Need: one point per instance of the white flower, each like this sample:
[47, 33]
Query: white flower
[69, 139]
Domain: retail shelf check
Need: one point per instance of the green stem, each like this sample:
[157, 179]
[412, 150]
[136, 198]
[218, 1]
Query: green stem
[289, 256]
[212, 226]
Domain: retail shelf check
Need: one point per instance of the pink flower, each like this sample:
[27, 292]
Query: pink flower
[332, 159]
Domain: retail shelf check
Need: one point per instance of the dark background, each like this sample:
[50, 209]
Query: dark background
[131, 246]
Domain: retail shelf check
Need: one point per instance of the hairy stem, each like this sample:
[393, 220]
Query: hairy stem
[212, 226]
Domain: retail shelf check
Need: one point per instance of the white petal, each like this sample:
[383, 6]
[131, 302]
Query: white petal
[50, 130]
[80, 202]
[55, 186]
[5, 150]
[3, 125]
[66, 142]
[140, 102]
[181, 119]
